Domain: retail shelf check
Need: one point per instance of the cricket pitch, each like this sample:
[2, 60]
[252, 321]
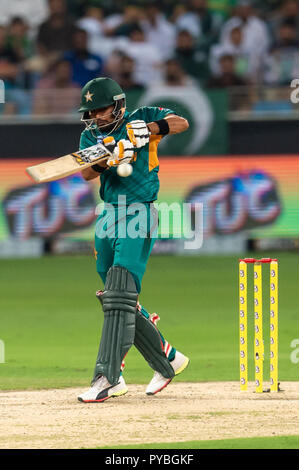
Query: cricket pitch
[54, 419]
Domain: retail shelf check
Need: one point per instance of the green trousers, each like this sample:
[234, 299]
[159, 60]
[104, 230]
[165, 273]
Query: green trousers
[126, 238]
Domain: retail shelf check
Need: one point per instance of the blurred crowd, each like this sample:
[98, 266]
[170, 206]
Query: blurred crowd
[59, 45]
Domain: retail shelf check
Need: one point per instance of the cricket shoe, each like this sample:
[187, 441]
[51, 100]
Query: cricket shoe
[158, 382]
[101, 390]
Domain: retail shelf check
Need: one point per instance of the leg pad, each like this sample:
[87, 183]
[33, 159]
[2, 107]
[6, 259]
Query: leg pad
[119, 301]
[149, 344]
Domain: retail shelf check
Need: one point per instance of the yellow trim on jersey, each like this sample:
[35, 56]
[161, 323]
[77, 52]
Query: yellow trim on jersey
[153, 160]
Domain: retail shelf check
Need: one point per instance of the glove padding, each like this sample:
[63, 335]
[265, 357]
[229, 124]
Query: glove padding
[123, 153]
[138, 133]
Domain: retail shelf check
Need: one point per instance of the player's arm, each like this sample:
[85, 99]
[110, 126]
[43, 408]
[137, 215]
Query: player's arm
[90, 173]
[94, 171]
[171, 124]
[99, 167]
[139, 131]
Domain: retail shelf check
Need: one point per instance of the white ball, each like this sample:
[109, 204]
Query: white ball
[124, 170]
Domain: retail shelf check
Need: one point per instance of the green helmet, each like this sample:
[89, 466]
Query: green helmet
[100, 93]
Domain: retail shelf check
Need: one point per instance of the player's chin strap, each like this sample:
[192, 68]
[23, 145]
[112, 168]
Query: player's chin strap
[118, 112]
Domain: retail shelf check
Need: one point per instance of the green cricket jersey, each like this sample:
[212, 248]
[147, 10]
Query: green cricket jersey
[143, 184]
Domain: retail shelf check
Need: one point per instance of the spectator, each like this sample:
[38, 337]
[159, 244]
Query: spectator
[239, 99]
[17, 100]
[123, 71]
[18, 38]
[174, 75]
[9, 61]
[121, 24]
[248, 62]
[146, 56]
[85, 66]
[53, 38]
[178, 11]
[77, 8]
[193, 60]
[158, 30]
[289, 11]
[283, 60]
[33, 12]
[255, 31]
[55, 33]
[227, 76]
[92, 23]
[56, 93]
[266, 7]
[201, 22]
[222, 7]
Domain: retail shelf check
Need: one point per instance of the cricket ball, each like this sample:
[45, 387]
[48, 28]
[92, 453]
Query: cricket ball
[124, 170]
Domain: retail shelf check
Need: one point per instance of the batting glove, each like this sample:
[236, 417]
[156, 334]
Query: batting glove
[123, 153]
[109, 143]
[138, 133]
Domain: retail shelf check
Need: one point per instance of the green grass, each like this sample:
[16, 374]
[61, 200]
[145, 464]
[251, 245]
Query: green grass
[275, 442]
[51, 320]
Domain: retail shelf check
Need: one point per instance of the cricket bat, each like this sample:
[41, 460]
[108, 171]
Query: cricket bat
[68, 164]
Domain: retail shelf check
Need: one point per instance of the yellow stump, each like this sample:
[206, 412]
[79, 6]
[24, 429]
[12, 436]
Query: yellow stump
[274, 326]
[258, 328]
[243, 324]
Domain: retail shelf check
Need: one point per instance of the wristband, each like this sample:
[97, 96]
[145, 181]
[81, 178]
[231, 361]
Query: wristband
[98, 168]
[163, 126]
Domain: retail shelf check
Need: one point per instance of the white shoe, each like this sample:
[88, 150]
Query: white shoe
[158, 382]
[101, 390]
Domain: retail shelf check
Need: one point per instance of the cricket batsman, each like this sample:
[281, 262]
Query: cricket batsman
[121, 258]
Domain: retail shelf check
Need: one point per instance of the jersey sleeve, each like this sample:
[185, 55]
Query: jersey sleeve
[152, 113]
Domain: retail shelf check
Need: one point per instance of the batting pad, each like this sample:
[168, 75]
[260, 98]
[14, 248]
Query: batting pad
[148, 342]
[119, 302]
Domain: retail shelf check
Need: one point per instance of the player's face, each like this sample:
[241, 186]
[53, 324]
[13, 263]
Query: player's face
[103, 116]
